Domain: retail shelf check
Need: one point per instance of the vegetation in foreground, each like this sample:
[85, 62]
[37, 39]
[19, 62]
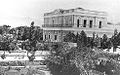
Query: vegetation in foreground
[87, 57]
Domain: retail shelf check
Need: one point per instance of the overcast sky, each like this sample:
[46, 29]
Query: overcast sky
[22, 12]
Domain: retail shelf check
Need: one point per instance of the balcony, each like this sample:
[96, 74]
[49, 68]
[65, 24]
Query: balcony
[57, 25]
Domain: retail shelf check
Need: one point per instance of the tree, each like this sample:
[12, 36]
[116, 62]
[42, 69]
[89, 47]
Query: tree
[118, 39]
[59, 62]
[83, 59]
[4, 29]
[65, 61]
[96, 41]
[82, 39]
[25, 45]
[26, 33]
[23, 32]
[105, 42]
[12, 31]
[70, 37]
[7, 44]
[86, 60]
[114, 40]
[1, 31]
[38, 33]
[33, 34]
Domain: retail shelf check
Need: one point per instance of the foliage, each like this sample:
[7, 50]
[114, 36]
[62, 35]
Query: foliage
[82, 39]
[4, 29]
[12, 31]
[57, 69]
[86, 59]
[32, 34]
[70, 37]
[23, 32]
[59, 62]
[26, 45]
[7, 43]
[26, 33]
[115, 39]
[109, 67]
[106, 42]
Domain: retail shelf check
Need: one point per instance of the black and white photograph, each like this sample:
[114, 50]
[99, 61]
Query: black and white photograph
[59, 37]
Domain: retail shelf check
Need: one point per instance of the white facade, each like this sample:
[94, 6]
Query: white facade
[60, 22]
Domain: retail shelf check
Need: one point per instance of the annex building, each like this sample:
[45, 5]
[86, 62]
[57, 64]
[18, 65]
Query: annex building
[59, 22]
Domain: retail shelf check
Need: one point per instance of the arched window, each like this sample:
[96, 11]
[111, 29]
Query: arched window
[49, 36]
[100, 24]
[77, 22]
[91, 23]
[55, 37]
[45, 37]
[53, 21]
[84, 23]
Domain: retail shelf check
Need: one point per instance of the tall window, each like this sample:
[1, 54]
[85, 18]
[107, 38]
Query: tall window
[84, 23]
[53, 21]
[49, 36]
[100, 24]
[78, 23]
[91, 23]
[55, 37]
[45, 37]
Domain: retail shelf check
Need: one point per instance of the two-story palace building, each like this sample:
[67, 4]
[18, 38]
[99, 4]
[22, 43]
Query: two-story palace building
[59, 22]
